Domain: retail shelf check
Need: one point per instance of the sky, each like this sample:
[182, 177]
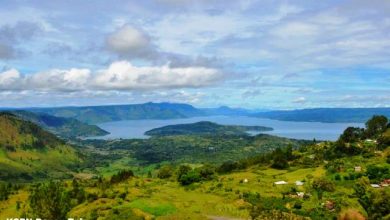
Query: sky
[257, 54]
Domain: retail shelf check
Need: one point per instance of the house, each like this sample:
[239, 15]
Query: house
[299, 183]
[300, 194]
[358, 169]
[375, 186]
[385, 183]
[280, 183]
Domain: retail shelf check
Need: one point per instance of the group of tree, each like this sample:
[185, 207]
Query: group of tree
[376, 202]
[53, 200]
[374, 128]
[5, 191]
[349, 141]
[187, 175]
[121, 176]
[49, 201]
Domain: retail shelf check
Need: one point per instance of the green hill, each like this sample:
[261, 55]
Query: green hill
[204, 128]
[64, 127]
[28, 152]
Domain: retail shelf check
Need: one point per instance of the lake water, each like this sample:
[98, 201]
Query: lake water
[289, 129]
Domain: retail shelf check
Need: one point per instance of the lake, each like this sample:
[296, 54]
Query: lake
[298, 130]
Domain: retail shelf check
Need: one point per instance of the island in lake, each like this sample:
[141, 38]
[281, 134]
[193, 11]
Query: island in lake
[205, 128]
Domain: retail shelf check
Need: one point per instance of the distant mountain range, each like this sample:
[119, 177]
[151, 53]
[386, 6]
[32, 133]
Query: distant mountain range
[100, 114]
[331, 115]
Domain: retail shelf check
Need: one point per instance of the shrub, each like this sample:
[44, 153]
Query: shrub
[122, 176]
[298, 205]
[165, 172]
[190, 177]
[49, 201]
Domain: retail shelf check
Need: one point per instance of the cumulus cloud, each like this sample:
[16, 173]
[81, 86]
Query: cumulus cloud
[121, 75]
[131, 42]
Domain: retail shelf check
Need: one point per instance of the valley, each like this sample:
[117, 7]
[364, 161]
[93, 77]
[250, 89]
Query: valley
[195, 171]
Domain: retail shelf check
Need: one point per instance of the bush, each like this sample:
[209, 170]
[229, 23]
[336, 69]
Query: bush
[121, 176]
[227, 167]
[298, 205]
[190, 177]
[165, 172]
[321, 184]
[378, 172]
[49, 201]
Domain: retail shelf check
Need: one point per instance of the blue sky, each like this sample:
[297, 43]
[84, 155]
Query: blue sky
[242, 53]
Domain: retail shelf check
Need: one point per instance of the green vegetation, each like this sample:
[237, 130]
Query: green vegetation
[28, 152]
[241, 177]
[64, 127]
[204, 128]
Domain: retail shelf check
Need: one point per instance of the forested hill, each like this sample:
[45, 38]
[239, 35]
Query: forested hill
[17, 133]
[325, 114]
[28, 152]
[204, 128]
[64, 127]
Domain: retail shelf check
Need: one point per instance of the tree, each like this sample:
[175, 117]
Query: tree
[121, 176]
[206, 171]
[49, 201]
[376, 126]
[190, 177]
[183, 170]
[352, 134]
[227, 167]
[5, 190]
[322, 185]
[165, 172]
[279, 159]
[375, 202]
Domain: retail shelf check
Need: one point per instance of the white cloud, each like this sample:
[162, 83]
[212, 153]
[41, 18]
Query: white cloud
[120, 75]
[299, 100]
[123, 75]
[132, 42]
[9, 77]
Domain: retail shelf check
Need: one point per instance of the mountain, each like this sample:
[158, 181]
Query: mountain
[99, 114]
[28, 152]
[325, 114]
[204, 128]
[64, 127]
[225, 110]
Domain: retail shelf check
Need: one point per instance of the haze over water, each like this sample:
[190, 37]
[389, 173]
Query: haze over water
[298, 130]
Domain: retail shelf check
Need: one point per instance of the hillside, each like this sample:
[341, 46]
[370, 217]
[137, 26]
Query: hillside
[221, 177]
[325, 114]
[64, 127]
[28, 152]
[204, 128]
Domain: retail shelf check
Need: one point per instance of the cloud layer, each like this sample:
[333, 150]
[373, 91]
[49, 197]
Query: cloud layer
[121, 75]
